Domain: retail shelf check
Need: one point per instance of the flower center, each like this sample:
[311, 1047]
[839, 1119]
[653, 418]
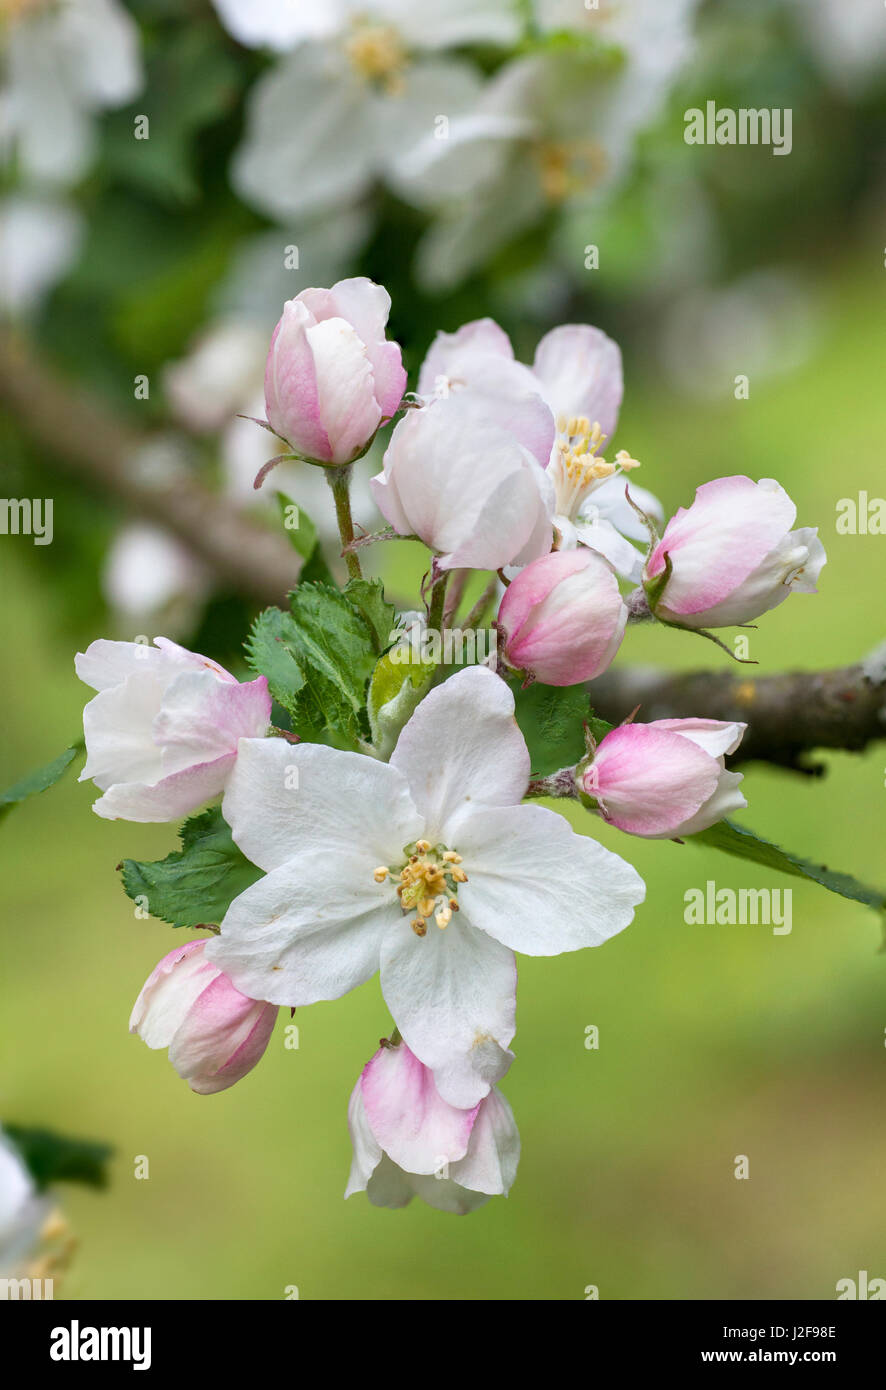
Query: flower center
[427, 883]
[377, 54]
[576, 468]
[567, 167]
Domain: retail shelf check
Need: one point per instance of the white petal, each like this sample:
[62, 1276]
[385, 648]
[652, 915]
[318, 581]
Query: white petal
[601, 535]
[452, 994]
[462, 745]
[581, 374]
[311, 143]
[715, 736]
[169, 797]
[536, 886]
[307, 931]
[726, 799]
[367, 1152]
[490, 1164]
[280, 24]
[284, 800]
[117, 724]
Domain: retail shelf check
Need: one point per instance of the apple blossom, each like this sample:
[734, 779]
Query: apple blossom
[332, 377]
[553, 128]
[466, 474]
[665, 778]
[360, 85]
[563, 618]
[732, 554]
[63, 64]
[215, 1034]
[577, 370]
[426, 868]
[410, 1142]
[162, 732]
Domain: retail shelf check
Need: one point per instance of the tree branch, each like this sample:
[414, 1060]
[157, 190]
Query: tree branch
[787, 715]
[86, 440]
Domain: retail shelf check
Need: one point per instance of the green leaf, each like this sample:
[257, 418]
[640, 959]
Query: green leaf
[305, 542]
[51, 1157]
[368, 597]
[41, 780]
[552, 721]
[319, 657]
[745, 844]
[193, 886]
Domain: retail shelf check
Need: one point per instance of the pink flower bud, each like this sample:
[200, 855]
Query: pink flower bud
[563, 617]
[215, 1035]
[665, 778]
[733, 555]
[410, 1142]
[162, 733]
[331, 377]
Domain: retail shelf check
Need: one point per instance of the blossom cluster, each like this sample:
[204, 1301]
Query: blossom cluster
[411, 843]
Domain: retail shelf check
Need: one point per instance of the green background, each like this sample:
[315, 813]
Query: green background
[715, 1041]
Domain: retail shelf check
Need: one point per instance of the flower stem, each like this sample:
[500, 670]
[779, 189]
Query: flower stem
[437, 603]
[339, 479]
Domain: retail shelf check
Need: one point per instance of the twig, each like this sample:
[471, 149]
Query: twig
[85, 439]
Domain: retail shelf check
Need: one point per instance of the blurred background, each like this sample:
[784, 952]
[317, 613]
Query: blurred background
[143, 275]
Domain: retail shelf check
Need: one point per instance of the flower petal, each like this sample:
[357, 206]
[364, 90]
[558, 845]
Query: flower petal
[452, 994]
[407, 1116]
[307, 931]
[580, 370]
[537, 886]
[463, 745]
[285, 800]
[490, 1164]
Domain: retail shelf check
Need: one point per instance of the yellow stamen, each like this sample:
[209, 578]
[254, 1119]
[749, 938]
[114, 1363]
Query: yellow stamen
[381, 873]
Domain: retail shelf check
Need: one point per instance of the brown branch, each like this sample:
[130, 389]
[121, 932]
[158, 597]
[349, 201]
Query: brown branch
[85, 439]
[788, 715]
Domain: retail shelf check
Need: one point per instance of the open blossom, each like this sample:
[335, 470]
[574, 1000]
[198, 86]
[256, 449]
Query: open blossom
[665, 778]
[426, 867]
[64, 64]
[577, 371]
[410, 1142]
[733, 555]
[162, 732]
[214, 1034]
[552, 128]
[466, 473]
[361, 82]
[331, 376]
[563, 618]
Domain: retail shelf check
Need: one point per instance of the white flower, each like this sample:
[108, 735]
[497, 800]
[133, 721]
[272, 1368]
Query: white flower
[479, 875]
[577, 372]
[22, 1211]
[39, 241]
[64, 63]
[162, 733]
[346, 105]
[549, 129]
